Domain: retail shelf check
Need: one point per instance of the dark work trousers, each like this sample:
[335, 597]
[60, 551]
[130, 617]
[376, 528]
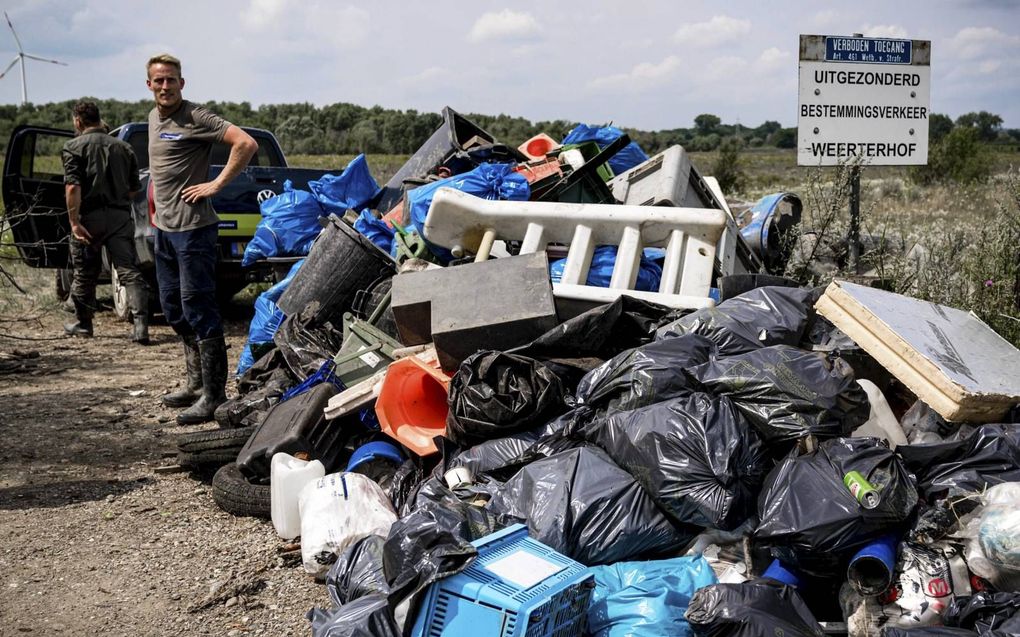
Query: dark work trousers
[186, 272]
[113, 228]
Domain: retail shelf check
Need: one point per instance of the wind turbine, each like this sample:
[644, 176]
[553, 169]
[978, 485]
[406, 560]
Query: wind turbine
[21, 58]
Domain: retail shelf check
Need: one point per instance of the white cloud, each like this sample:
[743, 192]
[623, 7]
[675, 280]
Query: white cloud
[430, 76]
[504, 25]
[824, 21]
[989, 66]
[641, 75]
[262, 13]
[718, 30]
[772, 59]
[973, 42]
[885, 31]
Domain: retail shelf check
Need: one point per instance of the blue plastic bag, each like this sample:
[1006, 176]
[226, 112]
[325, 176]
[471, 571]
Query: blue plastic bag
[290, 222]
[631, 155]
[266, 320]
[488, 181]
[375, 230]
[601, 270]
[646, 599]
[350, 190]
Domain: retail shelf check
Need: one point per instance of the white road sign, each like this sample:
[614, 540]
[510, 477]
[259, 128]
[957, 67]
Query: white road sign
[863, 97]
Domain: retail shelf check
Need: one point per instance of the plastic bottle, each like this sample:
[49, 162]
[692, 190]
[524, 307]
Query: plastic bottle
[288, 475]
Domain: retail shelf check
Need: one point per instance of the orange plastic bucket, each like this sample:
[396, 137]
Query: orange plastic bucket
[412, 404]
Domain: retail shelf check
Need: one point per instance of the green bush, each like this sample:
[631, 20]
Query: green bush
[959, 157]
[728, 167]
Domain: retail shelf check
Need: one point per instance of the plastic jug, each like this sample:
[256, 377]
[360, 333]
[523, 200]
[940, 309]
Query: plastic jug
[288, 475]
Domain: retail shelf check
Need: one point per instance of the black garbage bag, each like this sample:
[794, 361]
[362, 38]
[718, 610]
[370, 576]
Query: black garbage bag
[695, 454]
[985, 458]
[584, 506]
[759, 318]
[809, 518]
[931, 631]
[358, 572]
[306, 345]
[250, 408]
[509, 451]
[369, 616]
[985, 612]
[494, 394]
[577, 346]
[433, 542]
[759, 608]
[644, 375]
[788, 393]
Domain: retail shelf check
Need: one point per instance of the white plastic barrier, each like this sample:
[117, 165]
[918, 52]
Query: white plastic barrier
[467, 224]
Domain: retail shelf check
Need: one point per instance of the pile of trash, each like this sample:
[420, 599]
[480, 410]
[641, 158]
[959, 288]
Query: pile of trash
[557, 390]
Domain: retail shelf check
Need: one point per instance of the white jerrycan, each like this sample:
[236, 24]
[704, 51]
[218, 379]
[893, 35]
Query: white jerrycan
[287, 476]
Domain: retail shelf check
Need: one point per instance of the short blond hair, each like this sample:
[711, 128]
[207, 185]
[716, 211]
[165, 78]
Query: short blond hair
[163, 58]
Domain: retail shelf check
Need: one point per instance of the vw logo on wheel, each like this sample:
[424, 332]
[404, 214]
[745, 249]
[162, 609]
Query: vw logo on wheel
[264, 194]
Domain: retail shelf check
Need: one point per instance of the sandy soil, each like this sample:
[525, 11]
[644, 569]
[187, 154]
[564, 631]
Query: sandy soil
[93, 539]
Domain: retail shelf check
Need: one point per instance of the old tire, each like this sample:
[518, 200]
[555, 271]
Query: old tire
[207, 460]
[213, 440]
[235, 495]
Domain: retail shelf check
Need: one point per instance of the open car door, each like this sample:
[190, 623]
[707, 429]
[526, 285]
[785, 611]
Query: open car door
[33, 193]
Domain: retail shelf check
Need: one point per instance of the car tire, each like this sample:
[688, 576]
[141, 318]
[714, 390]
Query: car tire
[234, 494]
[215, 439]
[201, 461]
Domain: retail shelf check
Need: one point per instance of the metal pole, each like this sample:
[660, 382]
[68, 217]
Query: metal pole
[854, 237]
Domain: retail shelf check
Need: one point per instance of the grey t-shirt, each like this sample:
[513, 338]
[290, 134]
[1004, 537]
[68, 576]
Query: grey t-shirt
[180, 149]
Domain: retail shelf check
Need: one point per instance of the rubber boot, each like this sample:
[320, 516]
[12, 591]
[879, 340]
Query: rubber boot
[83, 326]
[213, 354]
[193, 365]
[79, 328]
[140, 331]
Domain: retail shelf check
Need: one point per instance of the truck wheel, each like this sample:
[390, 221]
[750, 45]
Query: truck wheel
[120, 297]
[235, 495]
[63, 284]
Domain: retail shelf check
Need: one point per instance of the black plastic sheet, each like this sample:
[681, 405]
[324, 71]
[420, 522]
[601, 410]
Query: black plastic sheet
[431, 543]
[932, 631]
[368, 616]
[788, 393]
[695, 454]
[584, 342]
[305, 346]
[358, 572]
[584, 506]
[985, 612]
[809, 518]
[759, 608]
[644, 375]
[759, 318]
[494, 394]
[986, 457]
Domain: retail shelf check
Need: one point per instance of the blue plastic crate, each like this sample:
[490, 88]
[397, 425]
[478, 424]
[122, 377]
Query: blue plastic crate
[517, 587]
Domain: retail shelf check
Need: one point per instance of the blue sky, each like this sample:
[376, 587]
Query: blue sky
[649, 64]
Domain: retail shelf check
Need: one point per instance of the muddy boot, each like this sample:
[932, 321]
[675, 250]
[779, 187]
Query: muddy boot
[80, 327]
[213, 354]
[192, 362]
[140, 331]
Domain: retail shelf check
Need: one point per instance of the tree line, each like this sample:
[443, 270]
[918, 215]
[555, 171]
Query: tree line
[344, 128]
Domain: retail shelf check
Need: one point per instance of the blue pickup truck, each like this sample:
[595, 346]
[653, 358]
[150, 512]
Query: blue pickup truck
[33, 195]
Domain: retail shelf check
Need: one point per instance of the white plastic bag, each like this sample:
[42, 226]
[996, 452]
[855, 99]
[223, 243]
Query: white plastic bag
[336, 511]
[993, 547]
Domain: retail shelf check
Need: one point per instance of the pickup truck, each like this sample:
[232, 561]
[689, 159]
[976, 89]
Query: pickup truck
[33, 195]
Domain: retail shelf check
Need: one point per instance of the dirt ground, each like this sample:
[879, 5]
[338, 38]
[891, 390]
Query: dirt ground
[93, 539]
